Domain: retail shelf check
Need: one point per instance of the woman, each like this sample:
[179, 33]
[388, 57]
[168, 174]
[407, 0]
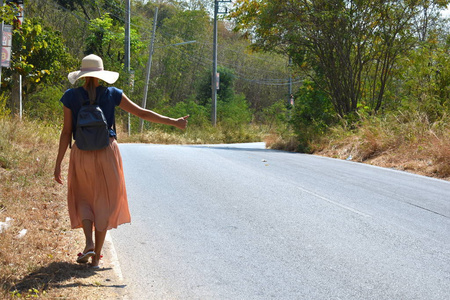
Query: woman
[97, 197]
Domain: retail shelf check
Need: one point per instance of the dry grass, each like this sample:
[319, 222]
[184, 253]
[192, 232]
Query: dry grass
[41, 262]
[407, 141]
[276, 142]
[194, 136]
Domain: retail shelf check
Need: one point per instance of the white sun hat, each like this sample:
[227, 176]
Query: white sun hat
[92, 66]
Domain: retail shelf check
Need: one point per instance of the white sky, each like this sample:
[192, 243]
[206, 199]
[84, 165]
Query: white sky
[446, 13]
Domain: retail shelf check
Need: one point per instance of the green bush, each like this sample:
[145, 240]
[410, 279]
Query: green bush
[226, 86]
[4, 110]
[234, 112]
[275, 116]
[45, 105]
[312, 115]
[199, 114]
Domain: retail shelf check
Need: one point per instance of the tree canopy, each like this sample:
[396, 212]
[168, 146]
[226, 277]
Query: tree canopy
[348, 47]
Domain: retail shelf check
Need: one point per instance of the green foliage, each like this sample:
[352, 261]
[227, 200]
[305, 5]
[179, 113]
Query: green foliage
[39, 55]
[199, 114]
[234, 112]
[106, 39]
[44, 104]
[189, 24]
[426, 80]
[313, 114]
[233, 124]
[90, 8]
[103, 36]
[8, 13]
[225, 92]
[353, 46]
[4, 110]
[226, 84]
[147, 11]
[275, 115]
[175, 70]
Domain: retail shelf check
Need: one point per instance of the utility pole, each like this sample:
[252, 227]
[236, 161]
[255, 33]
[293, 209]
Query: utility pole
[1, 47]
[291, 97]
[290, 102]
[127, 51]
[149, 66]
[215, 76]
[214, 72]
[127, 37]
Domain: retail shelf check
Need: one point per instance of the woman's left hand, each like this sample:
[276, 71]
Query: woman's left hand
[57, 175]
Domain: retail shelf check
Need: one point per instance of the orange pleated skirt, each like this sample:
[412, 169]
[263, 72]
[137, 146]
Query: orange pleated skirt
[97, 188]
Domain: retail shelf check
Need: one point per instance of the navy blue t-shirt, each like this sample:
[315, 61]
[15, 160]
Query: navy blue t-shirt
[109, 99]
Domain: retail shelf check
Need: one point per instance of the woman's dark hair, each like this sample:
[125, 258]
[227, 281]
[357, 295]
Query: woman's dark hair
[90, 87]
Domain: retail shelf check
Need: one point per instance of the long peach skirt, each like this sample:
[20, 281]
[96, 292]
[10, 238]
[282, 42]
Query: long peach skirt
[97, 188]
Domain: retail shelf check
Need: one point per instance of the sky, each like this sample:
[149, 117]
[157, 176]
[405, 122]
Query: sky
[446, 13]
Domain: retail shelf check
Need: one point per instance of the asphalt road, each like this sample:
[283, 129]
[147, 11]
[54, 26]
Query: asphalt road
[242, 222]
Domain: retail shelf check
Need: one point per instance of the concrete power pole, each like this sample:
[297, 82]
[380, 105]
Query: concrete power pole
[214, 72]
[291, 96]
[215, 75]
[127, 37]
[149, 66]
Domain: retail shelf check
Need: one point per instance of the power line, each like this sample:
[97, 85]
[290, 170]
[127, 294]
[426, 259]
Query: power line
[268, 81]
[198, 42]
[201, 60]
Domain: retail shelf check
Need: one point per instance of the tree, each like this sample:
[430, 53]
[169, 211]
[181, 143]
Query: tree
[225, 93]
[39, 55]
[176, 66]
[425, 74]
[94, 9]
[106, 40]
[349, 47]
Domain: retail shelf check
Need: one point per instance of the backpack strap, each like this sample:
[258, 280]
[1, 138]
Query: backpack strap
[99, 94]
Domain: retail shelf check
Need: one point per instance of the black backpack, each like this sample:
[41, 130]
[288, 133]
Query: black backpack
[92, 131]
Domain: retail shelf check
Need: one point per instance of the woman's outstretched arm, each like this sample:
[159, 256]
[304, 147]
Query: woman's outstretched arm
[148, 115]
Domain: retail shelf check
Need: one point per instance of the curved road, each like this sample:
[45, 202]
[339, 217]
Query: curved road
[243, 222]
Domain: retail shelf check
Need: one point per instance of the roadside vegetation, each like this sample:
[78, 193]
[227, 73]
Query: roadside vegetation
[374, 87]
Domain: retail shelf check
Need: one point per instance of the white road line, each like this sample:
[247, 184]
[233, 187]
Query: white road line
[335, 203]
[114, 260]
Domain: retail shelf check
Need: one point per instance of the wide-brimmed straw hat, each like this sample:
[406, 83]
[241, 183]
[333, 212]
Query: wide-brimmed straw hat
[92, 66]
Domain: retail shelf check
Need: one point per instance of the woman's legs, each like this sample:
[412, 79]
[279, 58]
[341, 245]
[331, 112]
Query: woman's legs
[87, 229]
[90, 245]
[99, 240]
